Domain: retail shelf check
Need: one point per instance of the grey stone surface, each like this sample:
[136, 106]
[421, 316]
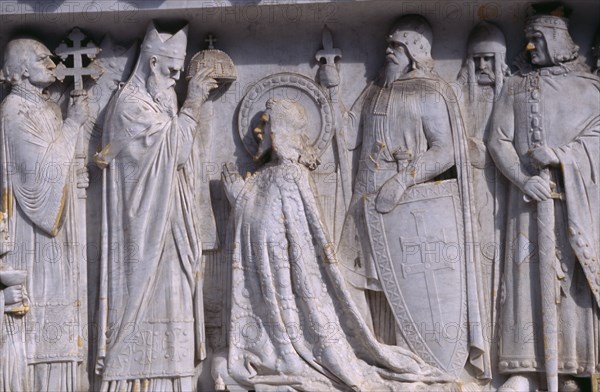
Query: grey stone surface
[41, 211]
[336, 172]
[540, 141]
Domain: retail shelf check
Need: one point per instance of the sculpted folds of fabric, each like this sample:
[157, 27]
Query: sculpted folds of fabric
[299, 196]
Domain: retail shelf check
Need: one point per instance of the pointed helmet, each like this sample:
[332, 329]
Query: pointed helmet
[486, 38]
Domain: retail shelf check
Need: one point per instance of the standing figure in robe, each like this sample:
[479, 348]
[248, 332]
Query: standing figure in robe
[408, 132]
[482, 77]
[150, 303]
[15, 303]
[293, 321]
[38, 195]
[548, 121]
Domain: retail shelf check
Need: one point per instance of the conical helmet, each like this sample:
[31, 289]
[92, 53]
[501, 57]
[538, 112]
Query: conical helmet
[486, 38]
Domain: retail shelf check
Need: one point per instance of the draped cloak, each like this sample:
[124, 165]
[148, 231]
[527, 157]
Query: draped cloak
[385, 120]
[150, 315]
[293, 322]
[38, 195]
[489, 192]
[567, 106]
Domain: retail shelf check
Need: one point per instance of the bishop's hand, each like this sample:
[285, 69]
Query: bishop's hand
[232, 182]
[200, 85]
[390, 193]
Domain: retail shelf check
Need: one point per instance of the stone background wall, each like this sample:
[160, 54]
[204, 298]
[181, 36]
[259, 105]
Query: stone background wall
[266, 37]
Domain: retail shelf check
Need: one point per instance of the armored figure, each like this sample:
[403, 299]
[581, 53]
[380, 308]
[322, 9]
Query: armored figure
[39, 191]
[545, 140]
[151, 316]
[411, 208]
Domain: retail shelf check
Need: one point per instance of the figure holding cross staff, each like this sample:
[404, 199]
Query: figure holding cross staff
[37, 153]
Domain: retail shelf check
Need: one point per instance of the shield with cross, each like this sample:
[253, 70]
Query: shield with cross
[419, 255]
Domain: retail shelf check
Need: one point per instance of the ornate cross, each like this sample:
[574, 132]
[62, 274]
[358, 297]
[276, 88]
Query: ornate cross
[77, 51]
[427, 267]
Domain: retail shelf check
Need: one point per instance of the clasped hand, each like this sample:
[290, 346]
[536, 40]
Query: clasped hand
[543, 156]
[537, 188]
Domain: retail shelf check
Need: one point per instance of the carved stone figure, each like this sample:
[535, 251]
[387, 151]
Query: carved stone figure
[14, 303]
[545, 139]
[482, 77]
[39, 194]
[292, 320]
[150, 315]
[411, 210]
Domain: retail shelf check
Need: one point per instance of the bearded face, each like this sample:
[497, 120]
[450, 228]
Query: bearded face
[484, 68]
[164, 73]
[397, 62]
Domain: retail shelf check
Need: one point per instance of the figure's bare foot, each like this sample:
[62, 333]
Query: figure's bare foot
[570, 385]
[220, 384]
[518, 383]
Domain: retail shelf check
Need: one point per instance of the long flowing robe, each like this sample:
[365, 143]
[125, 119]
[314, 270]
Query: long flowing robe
[418, 114]
[150, 315]
[13, 366]
[566, 105]
[293, 321]
[38, 197]
[489, 194]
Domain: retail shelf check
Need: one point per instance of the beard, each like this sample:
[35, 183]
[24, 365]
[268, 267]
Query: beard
[391, 73]
[163, 94]
[485, 77]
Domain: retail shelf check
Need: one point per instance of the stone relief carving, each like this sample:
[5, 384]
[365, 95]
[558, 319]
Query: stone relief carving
[39, 188]
[151, 310]
[412, 187]
[482, 77]
[292, 320]
[547, 147]
[439, 234]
